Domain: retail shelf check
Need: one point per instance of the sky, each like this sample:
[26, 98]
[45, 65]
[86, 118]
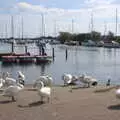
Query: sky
[75, 16]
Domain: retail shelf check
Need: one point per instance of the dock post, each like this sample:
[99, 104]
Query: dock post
[12, 47]
[26, 49]
[66, 53]
[53, 53]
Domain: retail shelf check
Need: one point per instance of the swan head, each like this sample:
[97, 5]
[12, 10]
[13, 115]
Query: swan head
[20, 74]
[5, 74]
[74, 78]
[22, 82]
[94, 83]
[8, 74]
[21, 77]
[20, 85]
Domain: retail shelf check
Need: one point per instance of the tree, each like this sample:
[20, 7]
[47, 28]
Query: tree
[110, 36]
[95, 35]
[64, 36]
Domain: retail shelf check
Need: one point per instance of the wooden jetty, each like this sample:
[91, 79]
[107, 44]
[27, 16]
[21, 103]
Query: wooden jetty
[43, 59]
[9, 59]
[11, 54]
[26, 59]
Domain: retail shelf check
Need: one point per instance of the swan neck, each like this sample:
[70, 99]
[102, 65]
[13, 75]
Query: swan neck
[42, 84]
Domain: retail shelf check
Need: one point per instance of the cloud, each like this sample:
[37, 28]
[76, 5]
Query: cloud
[103, 10]
[93, 3]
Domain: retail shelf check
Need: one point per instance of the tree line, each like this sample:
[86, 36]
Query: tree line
[80, 37]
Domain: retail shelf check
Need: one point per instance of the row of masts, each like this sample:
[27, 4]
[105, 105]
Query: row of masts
[91, 26]
[22, 28]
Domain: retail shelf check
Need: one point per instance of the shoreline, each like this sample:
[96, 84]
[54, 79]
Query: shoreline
[85, 104]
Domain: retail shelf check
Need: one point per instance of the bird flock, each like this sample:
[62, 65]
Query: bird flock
[11, 87]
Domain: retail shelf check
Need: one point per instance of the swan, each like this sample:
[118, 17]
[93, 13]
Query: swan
[68, 79]
[12, 91]
[43, 91]
[2, 82]
[88, 80]
[118, 93]
[7, 80]
[46, 79]
[21, 77]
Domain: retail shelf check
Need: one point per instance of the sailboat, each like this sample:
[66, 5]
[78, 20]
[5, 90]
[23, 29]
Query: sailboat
[111, 43]
[11, 57]
[90, 43]
[42, 57]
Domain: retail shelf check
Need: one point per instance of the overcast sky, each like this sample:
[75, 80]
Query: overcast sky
[58, 16]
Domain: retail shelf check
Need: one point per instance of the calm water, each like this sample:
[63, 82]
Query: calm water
[102, 63]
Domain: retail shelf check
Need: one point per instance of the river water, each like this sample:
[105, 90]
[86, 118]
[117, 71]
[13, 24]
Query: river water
[101, 63]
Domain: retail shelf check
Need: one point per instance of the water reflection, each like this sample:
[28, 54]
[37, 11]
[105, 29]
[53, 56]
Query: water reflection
[101, 63]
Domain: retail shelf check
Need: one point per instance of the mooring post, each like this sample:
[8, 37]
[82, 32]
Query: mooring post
[26, 49]
[12, 47]
[66, 53]
[53, 53]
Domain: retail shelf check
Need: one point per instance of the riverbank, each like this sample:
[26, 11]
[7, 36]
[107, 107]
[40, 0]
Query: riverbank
[83, 103]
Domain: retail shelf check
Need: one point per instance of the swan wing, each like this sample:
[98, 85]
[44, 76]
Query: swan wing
[46, 91]
[11, 91]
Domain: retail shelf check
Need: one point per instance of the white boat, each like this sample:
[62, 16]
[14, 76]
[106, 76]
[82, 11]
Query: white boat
[112, 44]
[88, 43]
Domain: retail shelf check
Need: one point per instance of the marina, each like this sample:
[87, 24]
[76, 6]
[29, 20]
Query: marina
[59, 61]
[102, 63]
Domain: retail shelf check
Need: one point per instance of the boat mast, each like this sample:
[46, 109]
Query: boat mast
[22, 28]
[6, 31]
[72, 26]
[55, 28]
[92, 25]
[12, 27]
[116, 23]
[43, 25]
[105, 29]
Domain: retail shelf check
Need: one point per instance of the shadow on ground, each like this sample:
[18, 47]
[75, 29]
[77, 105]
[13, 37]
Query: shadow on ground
[114, 107]
[33, 104]
[6, 102]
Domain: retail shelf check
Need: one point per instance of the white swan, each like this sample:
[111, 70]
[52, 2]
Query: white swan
[2, 81]
[21, 77]
[118, 93]
[47, 80]
[12, 91]
[43, 91]
[68, 79]
[87, 80]
[7, 80]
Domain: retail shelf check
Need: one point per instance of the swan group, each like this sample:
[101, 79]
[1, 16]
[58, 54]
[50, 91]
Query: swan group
[86, 80]
[11, 86]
